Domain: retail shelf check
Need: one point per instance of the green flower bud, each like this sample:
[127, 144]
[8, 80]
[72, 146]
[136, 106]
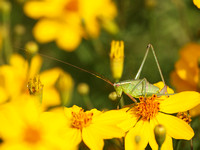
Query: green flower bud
[83, 88]
[160, 134]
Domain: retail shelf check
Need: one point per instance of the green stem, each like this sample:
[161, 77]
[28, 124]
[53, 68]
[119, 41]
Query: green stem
[87, 101]
[6, 48]
[121, 102]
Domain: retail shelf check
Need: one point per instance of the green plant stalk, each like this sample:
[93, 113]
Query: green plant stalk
[6, 44]
[87, 101]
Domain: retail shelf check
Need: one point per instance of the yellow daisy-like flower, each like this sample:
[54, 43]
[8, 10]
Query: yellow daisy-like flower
[154, 110]
[91, 127]
[197, 3]
[186, 76]
[22, 127]
[67, 21]
[18, 75]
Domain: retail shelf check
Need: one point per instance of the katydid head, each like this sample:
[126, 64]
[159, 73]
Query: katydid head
[118, 89]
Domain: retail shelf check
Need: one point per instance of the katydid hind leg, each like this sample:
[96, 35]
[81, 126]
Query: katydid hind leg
[144, 59]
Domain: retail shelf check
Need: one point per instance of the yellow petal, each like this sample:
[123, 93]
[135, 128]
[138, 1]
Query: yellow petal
[180, 102]
[142, 130]
[3, 95]
[46, 30]
[175, 127]
[196, 2]
[107, 131]
[92, 140]
[56, 123]
[191, 53]
[181, 85]
[168, 144]
[186, 73]
[35, 65]
[69, 38]
[50, 97]
[111, 117]
[161, 85]
[129, 122]
[195, 111]
[37, 9]
[49, 77]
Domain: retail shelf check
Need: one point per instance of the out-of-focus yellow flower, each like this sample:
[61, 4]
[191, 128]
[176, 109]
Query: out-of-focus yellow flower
[154, 110]
[91, 127]
[186, 74]
[67, 21]
[22, 126]
[15, 77]
[197, 3]
[117, 59]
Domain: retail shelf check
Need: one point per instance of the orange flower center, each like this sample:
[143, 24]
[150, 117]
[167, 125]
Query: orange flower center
[147, 108]
[32, 135]
[184, 116]
[72, 6]
[81, 119]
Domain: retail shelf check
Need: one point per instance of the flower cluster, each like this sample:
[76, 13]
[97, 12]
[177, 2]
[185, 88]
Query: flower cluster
[25, 124]
[68, 21]
[186, 74]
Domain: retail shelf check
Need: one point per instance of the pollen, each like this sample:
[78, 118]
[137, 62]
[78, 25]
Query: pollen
[147, 108]
[35, 86]
[32, 135]
[184, 116]
[81, 119]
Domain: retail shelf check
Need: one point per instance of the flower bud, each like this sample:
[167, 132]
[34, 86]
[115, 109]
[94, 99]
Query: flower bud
[64, 85]
[117, 59]
[5, 6]
[137, 139]
[83, 89]
[113, 96]
[19, 29]
[160, 134]
[31, 47]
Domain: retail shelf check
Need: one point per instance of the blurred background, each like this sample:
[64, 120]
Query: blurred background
[81, 32]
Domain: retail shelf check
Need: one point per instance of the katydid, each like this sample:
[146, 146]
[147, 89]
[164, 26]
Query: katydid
[132, 88]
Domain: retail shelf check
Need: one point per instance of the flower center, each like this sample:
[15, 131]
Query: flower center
[35, 86]
[184, 116]
[72, 6]
[32, 135]
[147, 108]
[81, 119]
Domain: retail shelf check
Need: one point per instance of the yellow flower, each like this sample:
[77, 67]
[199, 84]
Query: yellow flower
[197, 3]
[117, 59]
[91, 127]
[15, 77]
[67, 21]
[154, 110]
[186, 74]
[22, 127]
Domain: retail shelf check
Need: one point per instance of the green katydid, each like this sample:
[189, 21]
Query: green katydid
[132, 88]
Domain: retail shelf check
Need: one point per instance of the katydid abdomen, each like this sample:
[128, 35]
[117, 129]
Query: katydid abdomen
[135, 88]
